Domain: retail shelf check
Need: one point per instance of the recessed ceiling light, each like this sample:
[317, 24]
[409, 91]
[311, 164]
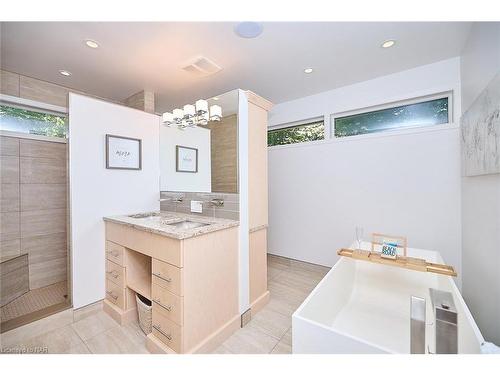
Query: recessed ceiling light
[65, 73]
[248, 29]
[91, 43]
[388, 43]
[308, 70]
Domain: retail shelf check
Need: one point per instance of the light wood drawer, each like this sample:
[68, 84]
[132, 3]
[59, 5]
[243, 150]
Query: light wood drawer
[167, 276]
[150, 244]
[115, 294]
[115, 252]
[115, 273]
[166, 330]
[169, 303]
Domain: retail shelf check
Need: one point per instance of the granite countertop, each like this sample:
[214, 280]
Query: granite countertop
[159, 222]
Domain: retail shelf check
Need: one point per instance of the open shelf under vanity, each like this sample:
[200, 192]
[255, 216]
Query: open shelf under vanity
[138, 270]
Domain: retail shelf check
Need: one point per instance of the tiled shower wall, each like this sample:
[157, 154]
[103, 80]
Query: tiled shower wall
[33, 207]
[230, 209]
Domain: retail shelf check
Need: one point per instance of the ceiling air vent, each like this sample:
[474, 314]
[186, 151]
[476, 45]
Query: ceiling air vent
[201, 66]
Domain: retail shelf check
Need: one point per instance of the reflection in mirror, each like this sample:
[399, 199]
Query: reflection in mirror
[224, 154]
[202, 159]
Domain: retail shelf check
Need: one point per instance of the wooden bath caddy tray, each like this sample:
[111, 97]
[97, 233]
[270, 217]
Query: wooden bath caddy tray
[416, 264]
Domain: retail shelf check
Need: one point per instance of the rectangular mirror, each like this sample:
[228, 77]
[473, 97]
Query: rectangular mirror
[202, 159]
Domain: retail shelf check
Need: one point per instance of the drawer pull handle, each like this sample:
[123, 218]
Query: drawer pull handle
[112, 295]
[113, 273]
[158, 328]
[168, 308]
[114, 253]
[167, 279]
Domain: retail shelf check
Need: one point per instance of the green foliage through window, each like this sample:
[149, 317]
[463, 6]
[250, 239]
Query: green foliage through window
[295, 134]
[431, 112]
[26, 121]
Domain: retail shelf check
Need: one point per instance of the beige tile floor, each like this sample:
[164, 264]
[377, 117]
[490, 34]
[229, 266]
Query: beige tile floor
[92, 331]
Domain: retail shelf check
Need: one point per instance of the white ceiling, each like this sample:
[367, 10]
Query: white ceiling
[133, 56]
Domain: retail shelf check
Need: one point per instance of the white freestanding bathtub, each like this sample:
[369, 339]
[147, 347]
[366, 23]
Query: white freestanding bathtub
[364, 307]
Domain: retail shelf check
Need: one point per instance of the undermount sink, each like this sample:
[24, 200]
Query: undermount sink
[145, 216]
[176, 222]
[187, 224]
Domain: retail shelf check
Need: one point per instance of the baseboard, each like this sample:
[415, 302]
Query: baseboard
[260, 302]
[213, 341]
[155, 346]
[120, 316]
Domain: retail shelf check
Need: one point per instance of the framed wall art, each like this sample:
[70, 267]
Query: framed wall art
[123, 152]
[186, 159]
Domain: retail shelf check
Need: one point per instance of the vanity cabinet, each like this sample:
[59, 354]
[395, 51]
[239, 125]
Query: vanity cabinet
[167, 276]
[192, 283]
[120, 287]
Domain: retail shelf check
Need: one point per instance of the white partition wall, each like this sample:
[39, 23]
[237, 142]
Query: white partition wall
[244, 254]
[96, 191]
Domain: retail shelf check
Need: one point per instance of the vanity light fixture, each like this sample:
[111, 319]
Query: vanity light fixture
[188, 111]
[215, 98]
[204, 119]
[308, 70]
[215, 113]
[178, 114]
[193, 115]
[201, 106]
[202, 115]
[167, 117]
[189, 114]
[388, 43]
[65, 73]
[91, 43]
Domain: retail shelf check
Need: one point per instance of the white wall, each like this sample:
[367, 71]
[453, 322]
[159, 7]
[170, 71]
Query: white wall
[96, 191]
[171, 180]
[480, 62]
[406, 183]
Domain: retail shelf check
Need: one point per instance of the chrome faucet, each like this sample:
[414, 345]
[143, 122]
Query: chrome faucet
[217, 202]
[177, 199]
